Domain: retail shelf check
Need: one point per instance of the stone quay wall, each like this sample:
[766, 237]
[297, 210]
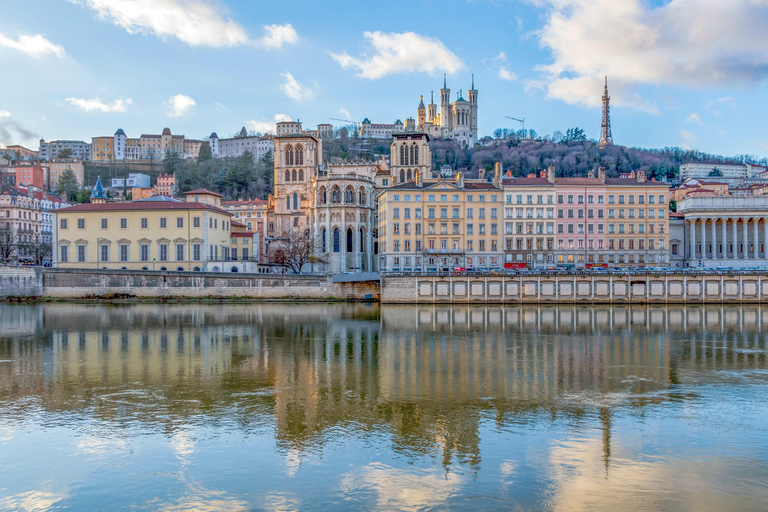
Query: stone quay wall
[87, 283]
[597, 289]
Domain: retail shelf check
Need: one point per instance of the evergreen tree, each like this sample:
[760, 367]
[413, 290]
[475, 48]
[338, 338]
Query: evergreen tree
[205, 152]
[68, 186]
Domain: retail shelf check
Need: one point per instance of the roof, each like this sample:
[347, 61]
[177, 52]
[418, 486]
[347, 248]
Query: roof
[166, 131]
[202, 191]
[480, 186]
[143, 206]
[241, 202]
[238, 224]
[213, 136]
[120, 132]
[468, 185]
[156, 199]
[241, 234]
[579, 181]
[632, 182]
[675, 215]
[98, 190]
[526, 181]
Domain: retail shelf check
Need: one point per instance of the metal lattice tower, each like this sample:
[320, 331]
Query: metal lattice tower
[605, 128]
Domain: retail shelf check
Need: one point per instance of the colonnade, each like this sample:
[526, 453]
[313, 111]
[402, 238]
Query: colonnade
[723, 238]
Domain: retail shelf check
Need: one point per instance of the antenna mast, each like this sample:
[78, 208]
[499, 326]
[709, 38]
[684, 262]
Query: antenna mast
[606, 137]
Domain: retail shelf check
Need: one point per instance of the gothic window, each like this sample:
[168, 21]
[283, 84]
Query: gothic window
[350, 241]
[362, 239]
[322, 240]
[335, 239]
[299, 155]
[415, 155]
[409, 175]
[301, 174]
[336, 195]
[288, 203]
[403, 158]
[287, 176]
[293, 175]
[402, 176]
[349, 196]
[323, 196]
[361, 196]
[289, 155]
[295, 201]
[412, 155]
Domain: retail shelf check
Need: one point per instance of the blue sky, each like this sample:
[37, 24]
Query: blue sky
[685, 73]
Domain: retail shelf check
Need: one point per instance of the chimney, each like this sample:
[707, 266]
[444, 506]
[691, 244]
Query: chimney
[591, 173]
[601, 174]
[419, 179]
[460, 179]
[481, 174]
[551, 174]
[641, 176]
[509, 174]
[498, 171]
[543, 174]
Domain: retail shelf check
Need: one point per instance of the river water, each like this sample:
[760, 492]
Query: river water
[356, 407]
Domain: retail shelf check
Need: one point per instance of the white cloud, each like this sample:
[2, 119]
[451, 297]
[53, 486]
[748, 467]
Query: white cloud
[406, 52]
[194, 22]
[5, 113]
[725, 100]
[34, 46]
[345, 113]
[264, 126]
[179, 105]
[296, 91]
[689, 139]
[502, 62]
[634, 42]
[278, 35]
[120, 105]
[694, 118]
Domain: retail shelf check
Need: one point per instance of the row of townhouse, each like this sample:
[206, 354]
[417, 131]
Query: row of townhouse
[449, 223]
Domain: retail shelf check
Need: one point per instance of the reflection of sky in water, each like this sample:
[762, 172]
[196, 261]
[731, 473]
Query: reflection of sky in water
[338, 407]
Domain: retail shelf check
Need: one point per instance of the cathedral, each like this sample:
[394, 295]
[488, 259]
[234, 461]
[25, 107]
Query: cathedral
[456, 120]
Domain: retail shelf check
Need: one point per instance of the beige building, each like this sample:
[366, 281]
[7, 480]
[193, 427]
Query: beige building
[441, 224]
[529, 221]
[252, 213]
[58, 166]
[296, 159]
[153, 234]
[409, 155]
[20, 221]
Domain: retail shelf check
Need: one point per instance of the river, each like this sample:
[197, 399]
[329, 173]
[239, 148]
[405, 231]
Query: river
[358, 407]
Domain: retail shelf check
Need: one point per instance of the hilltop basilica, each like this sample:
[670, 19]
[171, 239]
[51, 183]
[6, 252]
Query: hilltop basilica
[457, 120]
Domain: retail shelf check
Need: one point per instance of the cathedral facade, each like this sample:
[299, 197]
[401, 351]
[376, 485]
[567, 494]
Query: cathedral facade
[456, 120]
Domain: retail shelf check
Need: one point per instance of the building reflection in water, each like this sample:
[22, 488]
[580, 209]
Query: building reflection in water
[427, 375]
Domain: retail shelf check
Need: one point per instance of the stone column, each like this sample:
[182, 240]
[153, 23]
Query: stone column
[703, 239]
[735, 254]
[714, 239]
[725, 237]
[693, 239]
[745, 236]
[765, 238]
[755, 248]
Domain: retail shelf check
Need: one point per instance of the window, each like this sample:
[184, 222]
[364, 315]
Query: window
[144, 252]
[163, 222]
[196, 252]
[80, 223]
[123, 252]
[163, 252]
[104, 223]
[196, 222]
[179, 252]
[336, 239]
[80, 253]
[104, 253]
[62, 224]
[144, 223]
[64, 254]
[179, 222]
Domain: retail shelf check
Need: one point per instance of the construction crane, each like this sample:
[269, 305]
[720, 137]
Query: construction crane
[348, 121]
[521, 121]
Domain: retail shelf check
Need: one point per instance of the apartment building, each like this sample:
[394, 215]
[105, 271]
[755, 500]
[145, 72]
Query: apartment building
[20, 221]
[252, 213]
[580, 239]
[441, 224]
[58, 166]
[529, 222]
[154, 234]
[78, 149]
[31, 175]
[236, 146]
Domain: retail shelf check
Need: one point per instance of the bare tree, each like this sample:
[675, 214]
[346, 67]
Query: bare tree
[297, 250]
[9, 243]
[39, 251]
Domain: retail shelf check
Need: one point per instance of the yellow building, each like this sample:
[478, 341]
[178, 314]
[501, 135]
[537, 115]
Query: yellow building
[638, 221]
[102, 148]
[153, 234]
[448, 223]
[58, 166]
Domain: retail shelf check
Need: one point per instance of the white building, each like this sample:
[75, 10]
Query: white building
[50, 150]
[288, 128]
[137, 180]
[236, 146]
[733, 174]
[369, 130]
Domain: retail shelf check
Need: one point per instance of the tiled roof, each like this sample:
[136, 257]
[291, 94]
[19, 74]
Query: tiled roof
[246, 202]
[142, 206]
[242, 234]
[632, 182]
[526, 181]
[578, 181]
[480, 186]
[201, 191]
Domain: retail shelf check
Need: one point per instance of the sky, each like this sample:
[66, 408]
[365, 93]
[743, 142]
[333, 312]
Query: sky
[688, 73]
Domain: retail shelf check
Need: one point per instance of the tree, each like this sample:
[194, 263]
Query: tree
[205, 152]
[39, 251]
[297, 250]
[83, 196]
[64, 153]
[9, 242]
[173, 163]
[672, 205]
[68, 185]
[243, 132]
[716, 173]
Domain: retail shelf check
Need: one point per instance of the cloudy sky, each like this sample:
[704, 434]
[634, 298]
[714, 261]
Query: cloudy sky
[687, 73]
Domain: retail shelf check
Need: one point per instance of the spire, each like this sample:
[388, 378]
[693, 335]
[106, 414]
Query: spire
[445, 83]
[421, 103]
[606, 137]
[473, 81]
[97, 194]
[432, 100]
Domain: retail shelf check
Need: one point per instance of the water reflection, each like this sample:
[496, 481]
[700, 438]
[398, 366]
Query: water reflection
[352, 406]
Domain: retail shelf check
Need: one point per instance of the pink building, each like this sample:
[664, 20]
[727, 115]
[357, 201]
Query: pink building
[581, 226]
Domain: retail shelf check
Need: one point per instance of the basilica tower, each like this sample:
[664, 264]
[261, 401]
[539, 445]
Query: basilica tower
[472, 93]
[446, 117]
[433, 110]
[422, 116]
